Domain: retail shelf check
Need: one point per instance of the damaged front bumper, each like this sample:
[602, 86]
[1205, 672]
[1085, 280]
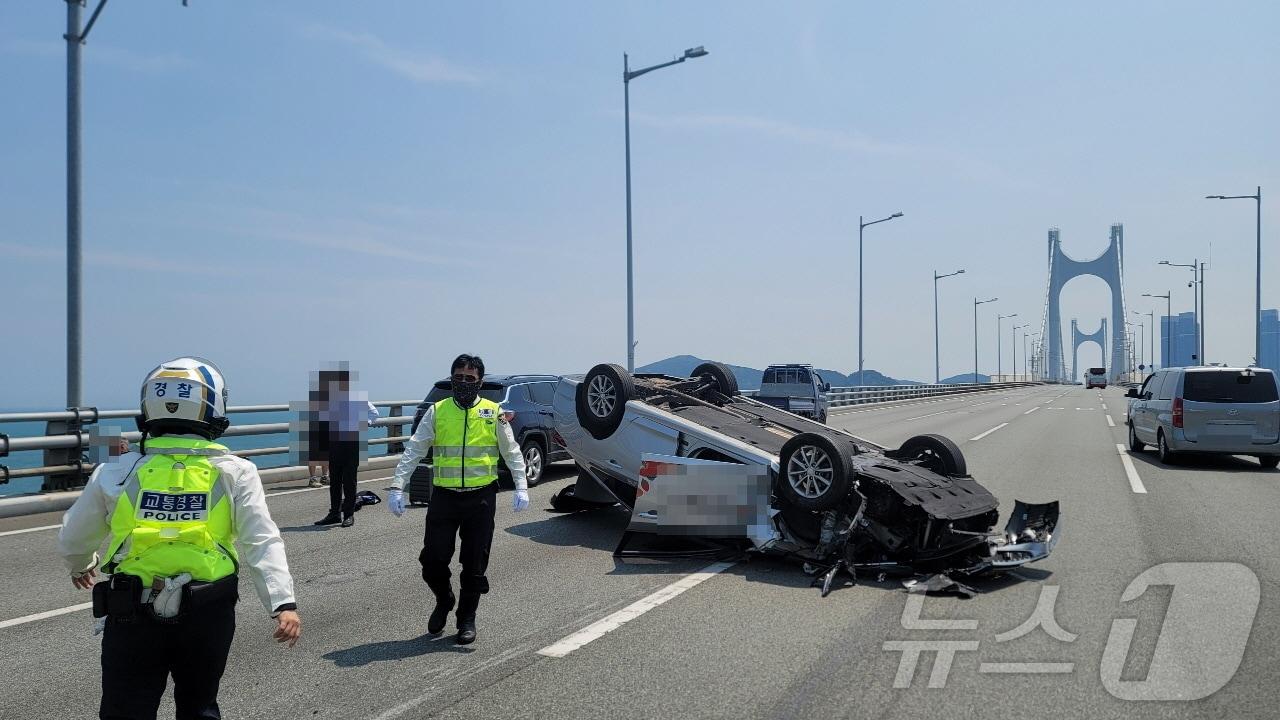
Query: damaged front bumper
[1030, 535]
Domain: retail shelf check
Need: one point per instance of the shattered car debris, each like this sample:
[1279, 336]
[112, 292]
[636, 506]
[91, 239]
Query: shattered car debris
[694, 457]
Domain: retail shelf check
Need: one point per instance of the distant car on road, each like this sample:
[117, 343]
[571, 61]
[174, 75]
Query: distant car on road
[529, 399]
[797, 389]
[1095, 378]
[1232, 411]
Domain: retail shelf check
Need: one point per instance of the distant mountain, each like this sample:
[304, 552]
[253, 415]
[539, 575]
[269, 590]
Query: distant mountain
[749, 378]
[964, 378]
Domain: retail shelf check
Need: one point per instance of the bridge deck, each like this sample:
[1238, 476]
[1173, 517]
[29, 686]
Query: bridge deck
[750, 641]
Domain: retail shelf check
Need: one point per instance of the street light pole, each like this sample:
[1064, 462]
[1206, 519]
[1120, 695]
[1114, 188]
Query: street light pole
[937, 364]
[976, 303]
[861, 226]
[627, 76]
[999, 350]
[1257, 308]
[1013, 339]
[1168, 325]
[1195, 304]
[74, 40]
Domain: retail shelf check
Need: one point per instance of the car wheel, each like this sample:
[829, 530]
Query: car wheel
[720, 375]
[1269, 461]
[815, 475]
[534, 461]
[1135, 445]
[602, 399]
[1162, 449]
[936, 453]
[823, 419]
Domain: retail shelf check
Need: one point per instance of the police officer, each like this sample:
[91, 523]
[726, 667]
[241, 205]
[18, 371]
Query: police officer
[466, 435]
[175, 512]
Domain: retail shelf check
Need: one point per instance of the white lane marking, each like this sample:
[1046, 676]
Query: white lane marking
[982, 435]
[30, 529]
[46, 614]
[1110, 422]
[608, 624]
[1104, 406]
[929, 415]
[1031, 410]
[1135, 482]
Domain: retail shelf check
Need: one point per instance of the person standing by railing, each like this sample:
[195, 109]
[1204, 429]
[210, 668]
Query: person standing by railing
[337, 435]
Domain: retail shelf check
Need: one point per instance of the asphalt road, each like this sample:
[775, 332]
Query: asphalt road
[754, 640]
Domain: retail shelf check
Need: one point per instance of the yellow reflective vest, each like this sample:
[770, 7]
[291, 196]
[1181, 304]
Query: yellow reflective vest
[174, 515]
[465, 453]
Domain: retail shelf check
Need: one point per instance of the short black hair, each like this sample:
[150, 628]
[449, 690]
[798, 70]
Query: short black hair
[467, 361]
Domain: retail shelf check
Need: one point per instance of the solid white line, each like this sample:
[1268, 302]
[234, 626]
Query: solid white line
[941, 412]
[46, 614]
[1031, 410]
[612, 622]
[979, 437]
[1135, 482]
[30, 529]
[1110, 422]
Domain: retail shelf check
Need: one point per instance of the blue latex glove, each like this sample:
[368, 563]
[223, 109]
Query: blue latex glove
[520, 500]
[395, 502]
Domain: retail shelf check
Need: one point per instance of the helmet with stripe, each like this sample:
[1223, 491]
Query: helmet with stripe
[184, 395]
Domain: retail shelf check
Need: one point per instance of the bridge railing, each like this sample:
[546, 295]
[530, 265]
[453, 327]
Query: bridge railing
[75, 441]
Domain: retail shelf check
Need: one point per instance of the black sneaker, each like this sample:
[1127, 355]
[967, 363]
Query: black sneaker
[348, 521]
[466, 631]
[439, 616]
[332, 518]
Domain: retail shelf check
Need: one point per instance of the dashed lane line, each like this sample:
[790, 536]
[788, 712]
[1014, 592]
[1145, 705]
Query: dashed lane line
[1135, 482]
[608, 624]
[46, 614]
[982, 435]
[29, 530]
[1110, 422]
[1031, 410]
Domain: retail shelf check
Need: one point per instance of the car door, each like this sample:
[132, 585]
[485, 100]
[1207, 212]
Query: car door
[1137, 404]
[1160, 406]
[541, 397]
[1144, 420]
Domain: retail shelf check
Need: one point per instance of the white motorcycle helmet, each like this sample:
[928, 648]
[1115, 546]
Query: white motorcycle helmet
[184, 395]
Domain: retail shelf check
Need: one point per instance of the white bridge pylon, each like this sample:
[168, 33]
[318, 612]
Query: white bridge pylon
[1078, 338]
[1108, 267]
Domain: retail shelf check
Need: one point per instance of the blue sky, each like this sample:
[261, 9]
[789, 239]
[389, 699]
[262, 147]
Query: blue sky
[273, 185]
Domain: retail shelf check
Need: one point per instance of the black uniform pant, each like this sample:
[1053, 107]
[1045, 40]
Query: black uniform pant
[344, 460]
[139, 656]
[453, 513]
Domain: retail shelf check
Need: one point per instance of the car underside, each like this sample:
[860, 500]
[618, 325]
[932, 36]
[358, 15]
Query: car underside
[835, 501]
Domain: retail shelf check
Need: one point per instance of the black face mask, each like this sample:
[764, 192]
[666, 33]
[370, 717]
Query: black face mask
[465, 392]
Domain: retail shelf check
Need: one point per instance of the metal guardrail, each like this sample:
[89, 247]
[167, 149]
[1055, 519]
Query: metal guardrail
[66, 444]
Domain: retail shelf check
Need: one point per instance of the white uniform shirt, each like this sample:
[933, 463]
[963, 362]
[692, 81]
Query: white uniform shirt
[343, 412]
[418, 445]
[88, 523]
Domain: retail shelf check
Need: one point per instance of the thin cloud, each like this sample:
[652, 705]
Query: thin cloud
[105, 54]
[831, 139]
[418, 68]
[117, 260]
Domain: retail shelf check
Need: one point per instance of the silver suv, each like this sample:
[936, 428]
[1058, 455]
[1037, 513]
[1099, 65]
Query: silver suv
[1231, 411]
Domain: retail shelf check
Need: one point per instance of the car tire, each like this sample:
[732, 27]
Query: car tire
[935, 452]
[815, 475]
[602, 399]
[719, 374]
[535, 461]
[1166, 455]
[823, 419]
[1269, 461]
[1135, 445]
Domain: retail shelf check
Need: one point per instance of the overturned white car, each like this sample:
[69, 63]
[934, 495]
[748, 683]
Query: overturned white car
[694, 457]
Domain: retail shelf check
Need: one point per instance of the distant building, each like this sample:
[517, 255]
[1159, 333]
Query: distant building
[1270, 340]
[1180, 351]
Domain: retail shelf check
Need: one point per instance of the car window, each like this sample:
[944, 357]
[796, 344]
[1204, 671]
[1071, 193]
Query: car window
[1146, 385]
[1215, 386]
[1168, 381]
[542, 393]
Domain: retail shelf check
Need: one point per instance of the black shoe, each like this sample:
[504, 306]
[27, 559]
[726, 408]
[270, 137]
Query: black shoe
[439, 616]
[348, 521]
[331, 519]
[466, 631]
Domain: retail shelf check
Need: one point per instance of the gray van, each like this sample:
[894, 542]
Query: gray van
[1231, 411]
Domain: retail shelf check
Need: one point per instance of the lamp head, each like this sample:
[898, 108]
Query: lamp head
[695, 52]
[897, 214]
